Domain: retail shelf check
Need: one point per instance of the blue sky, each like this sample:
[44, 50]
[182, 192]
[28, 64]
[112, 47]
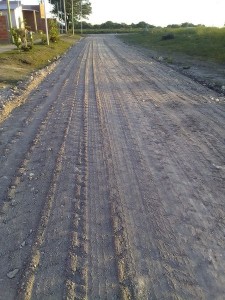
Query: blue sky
[156, 12]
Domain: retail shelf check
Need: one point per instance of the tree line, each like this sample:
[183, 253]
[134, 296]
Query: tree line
[139, 25]
[113, 25]
[75, 11]
[183, 25]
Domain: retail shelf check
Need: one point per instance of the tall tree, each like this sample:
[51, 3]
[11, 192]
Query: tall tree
[81, 8]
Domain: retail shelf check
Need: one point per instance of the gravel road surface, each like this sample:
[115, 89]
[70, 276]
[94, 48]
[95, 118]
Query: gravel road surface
[112, 182]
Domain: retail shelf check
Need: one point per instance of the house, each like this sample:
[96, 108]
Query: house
[31, 17]
[4, 33]
[34, 17]
[15, 12]
[16, 18]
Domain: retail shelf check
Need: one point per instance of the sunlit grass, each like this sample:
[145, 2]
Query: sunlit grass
[17, 65]
[207, 43]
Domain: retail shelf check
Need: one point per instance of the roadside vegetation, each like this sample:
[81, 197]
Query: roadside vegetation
[198, 41]
[33, 53]
[206, 43]
[112, 27]
[16, 65]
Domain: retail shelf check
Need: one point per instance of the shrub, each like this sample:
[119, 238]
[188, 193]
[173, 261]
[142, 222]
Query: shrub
[44, 39]
[18, 35]
[53, 31]
[23, 39]
[168, 36]
[26, 47]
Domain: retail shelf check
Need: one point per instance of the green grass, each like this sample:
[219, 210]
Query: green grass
[17, 65]
[207, 43]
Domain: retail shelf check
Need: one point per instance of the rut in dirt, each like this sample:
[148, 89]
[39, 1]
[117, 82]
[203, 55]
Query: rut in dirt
[112, 182]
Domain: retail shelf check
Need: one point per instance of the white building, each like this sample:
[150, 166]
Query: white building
[15, 11]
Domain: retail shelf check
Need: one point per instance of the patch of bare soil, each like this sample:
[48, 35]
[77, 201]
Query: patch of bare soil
[207, 73]
[112, 182]
[12, 97]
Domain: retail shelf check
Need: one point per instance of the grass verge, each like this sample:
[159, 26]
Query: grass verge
[17, 65]
[206, 43]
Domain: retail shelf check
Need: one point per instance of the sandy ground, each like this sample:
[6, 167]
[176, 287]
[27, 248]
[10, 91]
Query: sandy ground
[208, 73]
[112, 182]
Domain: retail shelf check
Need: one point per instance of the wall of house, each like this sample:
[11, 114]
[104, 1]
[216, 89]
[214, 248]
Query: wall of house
[41, 23]
[17, 18]
[4, 34]
[29, 20]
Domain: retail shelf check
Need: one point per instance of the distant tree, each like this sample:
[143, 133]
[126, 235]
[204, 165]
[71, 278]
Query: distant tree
[173, 26]
[186, 24]
[85, 25]
[124, 25]
[86, 9]
[142, 25]
[97, 26]
[110, 25]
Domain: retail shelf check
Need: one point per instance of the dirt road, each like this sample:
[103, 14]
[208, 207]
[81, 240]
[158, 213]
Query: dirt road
[112, 183]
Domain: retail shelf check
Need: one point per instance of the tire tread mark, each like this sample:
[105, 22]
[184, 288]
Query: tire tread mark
[26, 284]
[174, 277]
[126, 273]
[8, 192]
[158, 86]
[77, 268]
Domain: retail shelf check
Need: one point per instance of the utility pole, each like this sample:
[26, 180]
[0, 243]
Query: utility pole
[64, 7]
[57, 5]
[61, 10]
[10, 21]
[81, 17]
[46, 24]
[72, 17]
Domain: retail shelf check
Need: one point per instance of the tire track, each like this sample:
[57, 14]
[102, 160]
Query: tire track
[154, 114]
[39, 154]
[103, 280]
[26, 145]
[165, 241]
[166, 92]
[37, 99]
[210, 143]
[202, 188]
[31, 272]
[51, 275]
[76, 266]
[125, 267]
[155, 212]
